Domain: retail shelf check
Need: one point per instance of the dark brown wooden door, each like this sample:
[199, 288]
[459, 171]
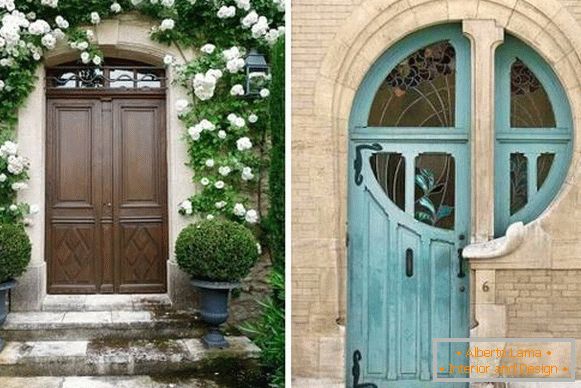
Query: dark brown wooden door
[106, 195]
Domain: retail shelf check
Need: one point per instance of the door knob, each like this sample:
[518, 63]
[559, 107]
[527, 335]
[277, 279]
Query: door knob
[108, 204]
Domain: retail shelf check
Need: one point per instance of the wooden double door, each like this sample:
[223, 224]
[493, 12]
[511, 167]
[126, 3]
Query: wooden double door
[106, 226]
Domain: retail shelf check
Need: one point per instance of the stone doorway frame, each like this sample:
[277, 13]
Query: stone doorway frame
[124, 37]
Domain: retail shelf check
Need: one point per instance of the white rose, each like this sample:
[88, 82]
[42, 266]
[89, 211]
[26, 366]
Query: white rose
[264, 93]
[260, 27]
[210, 163]
[207, 125]
[209, 217]
[247, 174]
[219, 185]
[239, 122]
[116, 8]
[251, 216]
[34, 209]
[62, 22]
[226, 12]
[95, 18]
[50, 3]
[250, 19]
[168, 3]
[220, 205]
[243, 144]
[97, 60]
[237, 90]
[252, 118]
[208, 48]
[259, 248]
[16, 164]
[186, 206]
[3, 178]
[167, 24]
[8, 148]
[243, 4]
[205, 181]
[195, 132]
[13, 208]
[182, 105]
[168, 60]
[222, 134]
[224, 170]
[239, 210]
[82, 46]
[85, 57]
[17, 186]
[231, 117]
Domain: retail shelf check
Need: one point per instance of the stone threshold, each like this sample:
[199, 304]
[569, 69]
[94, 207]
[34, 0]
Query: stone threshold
[101, 302]
[101, 324]
[105, 382]
[116, 357]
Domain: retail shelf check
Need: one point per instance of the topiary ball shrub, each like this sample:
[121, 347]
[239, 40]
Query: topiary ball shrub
[14, 251]
[216, 250]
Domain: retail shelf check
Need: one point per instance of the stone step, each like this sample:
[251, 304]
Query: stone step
[126, 357]
[61, 303]
[34, 326]
[106, 382]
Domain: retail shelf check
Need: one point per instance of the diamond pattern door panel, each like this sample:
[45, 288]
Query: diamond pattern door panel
[106, 195]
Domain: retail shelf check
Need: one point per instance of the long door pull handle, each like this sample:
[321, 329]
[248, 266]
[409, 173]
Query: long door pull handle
[461, 273]
[409, 262]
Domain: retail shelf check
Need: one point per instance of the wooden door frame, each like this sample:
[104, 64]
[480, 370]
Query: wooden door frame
[108, 95]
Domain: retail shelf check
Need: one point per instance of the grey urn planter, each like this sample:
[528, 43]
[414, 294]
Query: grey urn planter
[4, 288]
[214, 309]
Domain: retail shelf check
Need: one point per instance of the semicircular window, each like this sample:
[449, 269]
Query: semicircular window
[533, 135]
[419, 91]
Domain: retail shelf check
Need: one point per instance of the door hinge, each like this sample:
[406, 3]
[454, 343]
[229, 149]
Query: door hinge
[347, 239]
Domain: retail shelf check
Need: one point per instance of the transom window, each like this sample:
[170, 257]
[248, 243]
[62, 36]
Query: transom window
[421, 100]
[115, 74]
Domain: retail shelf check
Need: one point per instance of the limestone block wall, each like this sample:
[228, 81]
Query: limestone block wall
[334, 43]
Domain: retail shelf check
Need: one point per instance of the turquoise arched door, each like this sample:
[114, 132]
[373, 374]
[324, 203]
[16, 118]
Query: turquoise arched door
[409, 210]
[409, 194]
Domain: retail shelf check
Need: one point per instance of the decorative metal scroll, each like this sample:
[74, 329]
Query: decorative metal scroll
[358, 163]
[356, 372]
[128, 76]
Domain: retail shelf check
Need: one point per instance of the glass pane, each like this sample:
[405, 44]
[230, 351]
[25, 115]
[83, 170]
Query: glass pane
[544, 164]
[419, 92]
[148, 80]
[435, 189]
[121, 78]
[530, 106]
[389, 170]
[518, 182]
[65, 79]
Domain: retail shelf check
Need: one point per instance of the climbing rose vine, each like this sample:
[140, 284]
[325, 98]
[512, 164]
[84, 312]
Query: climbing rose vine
[224, 129]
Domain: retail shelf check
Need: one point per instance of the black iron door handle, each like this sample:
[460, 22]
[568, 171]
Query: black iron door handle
[461, 273]
[409, 262]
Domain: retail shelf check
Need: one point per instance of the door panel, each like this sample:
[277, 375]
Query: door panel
[106, 195]
[405, 286]
[73, 173]
[140, 194]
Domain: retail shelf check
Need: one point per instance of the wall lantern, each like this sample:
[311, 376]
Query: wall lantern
[257, 73]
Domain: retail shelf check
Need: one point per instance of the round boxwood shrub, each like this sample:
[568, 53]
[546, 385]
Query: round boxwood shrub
[216, 250]
[14, 251]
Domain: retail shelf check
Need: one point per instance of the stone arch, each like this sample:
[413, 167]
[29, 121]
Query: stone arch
[374, 26]
[124, 37]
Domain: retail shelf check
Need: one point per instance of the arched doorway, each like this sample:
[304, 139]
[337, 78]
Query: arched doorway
[106, 174]
[409, 215]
